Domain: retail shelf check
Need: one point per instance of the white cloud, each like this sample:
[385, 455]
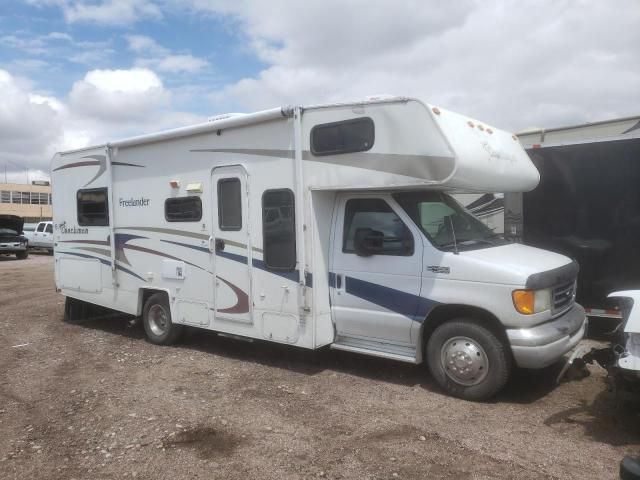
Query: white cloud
[119, 95]
[175, 63]
[105, 105]
[160, 58]
[144, 44]
[106, 12]
[544, 63]
[29, 124]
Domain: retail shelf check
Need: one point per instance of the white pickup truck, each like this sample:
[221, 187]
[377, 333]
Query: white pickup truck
[41, 236]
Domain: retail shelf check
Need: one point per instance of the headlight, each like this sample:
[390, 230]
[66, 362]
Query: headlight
[528, 302]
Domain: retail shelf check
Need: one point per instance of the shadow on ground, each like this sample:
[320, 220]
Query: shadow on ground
[525, 386]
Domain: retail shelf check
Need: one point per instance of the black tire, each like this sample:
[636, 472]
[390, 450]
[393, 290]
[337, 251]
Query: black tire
[156, 318]
[490, 360]
[22, 255]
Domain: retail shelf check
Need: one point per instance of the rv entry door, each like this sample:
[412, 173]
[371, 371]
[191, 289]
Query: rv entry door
[231, 244]
[376, 267]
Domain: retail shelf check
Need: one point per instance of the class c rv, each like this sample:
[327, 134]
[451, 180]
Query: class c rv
[327, 225]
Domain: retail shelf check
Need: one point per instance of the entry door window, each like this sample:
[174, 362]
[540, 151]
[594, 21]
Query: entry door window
[229, 204]
[376, 214]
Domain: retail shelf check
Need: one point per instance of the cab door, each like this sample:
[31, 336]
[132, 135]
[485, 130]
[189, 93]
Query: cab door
[38, 235]
[376, 269]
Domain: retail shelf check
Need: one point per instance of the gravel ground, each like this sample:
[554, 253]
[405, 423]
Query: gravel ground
[97, 401]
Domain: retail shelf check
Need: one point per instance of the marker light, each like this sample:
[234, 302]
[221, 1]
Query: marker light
[174, 183]
[436, 110]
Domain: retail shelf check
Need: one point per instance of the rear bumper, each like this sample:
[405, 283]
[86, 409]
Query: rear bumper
[543, 345]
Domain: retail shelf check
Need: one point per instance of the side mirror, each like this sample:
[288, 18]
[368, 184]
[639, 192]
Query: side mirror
[368, 242]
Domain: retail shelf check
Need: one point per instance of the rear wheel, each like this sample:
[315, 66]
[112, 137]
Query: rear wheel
[468, 360]
[156, 317]
[22, 255]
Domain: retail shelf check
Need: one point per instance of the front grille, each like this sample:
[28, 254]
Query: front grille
[563, 297]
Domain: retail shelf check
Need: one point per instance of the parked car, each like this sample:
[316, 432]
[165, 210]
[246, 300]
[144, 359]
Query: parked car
[41, 236]
[12, 240]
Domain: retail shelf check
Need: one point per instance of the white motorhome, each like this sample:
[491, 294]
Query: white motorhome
[315, 226]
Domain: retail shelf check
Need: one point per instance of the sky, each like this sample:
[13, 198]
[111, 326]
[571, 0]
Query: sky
[80, 72]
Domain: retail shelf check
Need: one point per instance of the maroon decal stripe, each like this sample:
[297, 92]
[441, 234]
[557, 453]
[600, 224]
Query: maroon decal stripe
[242, 304]
[90, 242]
[77, 164]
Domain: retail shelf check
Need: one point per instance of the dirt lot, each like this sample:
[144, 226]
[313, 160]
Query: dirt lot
[97, 401]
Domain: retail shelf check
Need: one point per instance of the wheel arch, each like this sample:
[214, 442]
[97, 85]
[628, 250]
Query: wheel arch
[145, 292]
[443, 313]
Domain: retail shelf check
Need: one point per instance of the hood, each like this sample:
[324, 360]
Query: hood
[12, 222]
[511, 264]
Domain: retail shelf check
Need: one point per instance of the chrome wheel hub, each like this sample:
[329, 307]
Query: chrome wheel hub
[158, 320]
[464, 361]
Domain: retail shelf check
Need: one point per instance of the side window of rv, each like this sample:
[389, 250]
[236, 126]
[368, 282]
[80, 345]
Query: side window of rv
[279, 229]
[183, 209]
[229, 204]
[93, 207]
[386, 231]
[348, 136]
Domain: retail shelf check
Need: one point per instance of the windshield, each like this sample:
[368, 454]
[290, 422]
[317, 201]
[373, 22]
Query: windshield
[7, 231]
[446, 223]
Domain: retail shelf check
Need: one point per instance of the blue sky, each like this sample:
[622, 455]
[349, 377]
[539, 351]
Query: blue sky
[80, 72]
[31, 34]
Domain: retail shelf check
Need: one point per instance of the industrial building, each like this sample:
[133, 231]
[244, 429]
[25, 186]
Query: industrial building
[30, 201]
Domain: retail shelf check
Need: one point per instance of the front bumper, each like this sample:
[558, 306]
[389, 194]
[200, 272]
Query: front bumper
[12, 247]
[543, 345]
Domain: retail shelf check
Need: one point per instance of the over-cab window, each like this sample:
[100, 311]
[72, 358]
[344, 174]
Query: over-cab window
[279, 229]
[348, 136]
[229, 204]
[381, 226]
[93, 207]
[183, 209]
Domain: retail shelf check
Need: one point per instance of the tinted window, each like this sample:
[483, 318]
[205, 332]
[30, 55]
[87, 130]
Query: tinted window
[49, 228]
[93, 207]
[375, 214]
[183, 209]
[279, 232]
[229, 204]
[355, 135]
[40, 227]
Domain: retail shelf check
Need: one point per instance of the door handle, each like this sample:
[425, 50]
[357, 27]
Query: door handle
[219, 244]
[339, 284]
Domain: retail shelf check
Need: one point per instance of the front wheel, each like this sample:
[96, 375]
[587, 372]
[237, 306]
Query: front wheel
[156, 317]
[468, 360]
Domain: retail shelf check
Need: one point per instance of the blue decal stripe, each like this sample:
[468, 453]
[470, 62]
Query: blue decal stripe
[105, 262]
[412, 306]
[259, 264]
[195, 247]
[232, 256]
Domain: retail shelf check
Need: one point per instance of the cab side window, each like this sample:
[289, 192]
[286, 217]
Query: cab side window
[371, 227]
[40, 227]
[49, 228]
